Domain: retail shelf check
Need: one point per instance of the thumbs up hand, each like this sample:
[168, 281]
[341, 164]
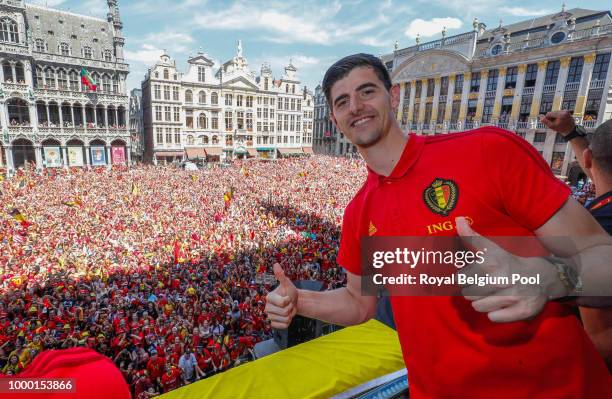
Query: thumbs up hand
[507, 301]
[281, 303]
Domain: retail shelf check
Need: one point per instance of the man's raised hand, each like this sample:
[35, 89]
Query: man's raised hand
[506, 303]
[281, 303]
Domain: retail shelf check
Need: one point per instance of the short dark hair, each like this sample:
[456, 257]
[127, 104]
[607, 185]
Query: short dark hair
[344, 66]
[601, 146]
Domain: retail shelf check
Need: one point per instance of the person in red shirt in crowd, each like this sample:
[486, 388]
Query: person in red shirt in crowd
[142, 382]
[155, 366]
[204, 359]
[498, 343]
[171, 379]
[217, 358]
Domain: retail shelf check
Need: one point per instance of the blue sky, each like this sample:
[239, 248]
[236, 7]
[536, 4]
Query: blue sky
[312, 33]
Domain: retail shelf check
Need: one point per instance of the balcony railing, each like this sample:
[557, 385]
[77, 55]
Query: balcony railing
[9, 86]
[541, 40]
[442, 98]
[589, 123]
[522, 125]
[528, 90]
[502, 124]
[549, 88]
[591, 32]
[540, 125]
[597, 84]
[490, 94]
[20, 129]
[573, 86]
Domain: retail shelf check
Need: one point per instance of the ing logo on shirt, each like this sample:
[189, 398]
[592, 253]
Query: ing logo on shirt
[441, 196]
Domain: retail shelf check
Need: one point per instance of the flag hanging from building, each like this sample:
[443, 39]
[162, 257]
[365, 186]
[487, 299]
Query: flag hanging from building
[87, 80]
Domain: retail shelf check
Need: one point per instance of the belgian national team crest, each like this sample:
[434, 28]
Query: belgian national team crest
[441, 196]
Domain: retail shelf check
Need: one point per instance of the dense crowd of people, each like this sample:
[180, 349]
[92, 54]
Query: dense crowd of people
[163, 270]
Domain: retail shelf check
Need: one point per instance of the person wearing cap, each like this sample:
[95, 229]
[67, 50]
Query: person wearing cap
[189, 366]
[155, 366]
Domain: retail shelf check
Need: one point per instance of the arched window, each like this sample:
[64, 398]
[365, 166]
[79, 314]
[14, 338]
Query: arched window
[166, 74]
[214, 98]
[203, 122]
[96, 78]
[64, 49]
[19, 73]
[62, 79]
[108, 56]
[7, 68]
[106, 83]
[215, 140]
[38, 77]
[202, 97]
[50, 77]
[204, 140]
[8, 30]
[115, 84]
[87, 52]
[18, 112]
[40, 45]
[188, 96]
[190, 140]
[74, 80]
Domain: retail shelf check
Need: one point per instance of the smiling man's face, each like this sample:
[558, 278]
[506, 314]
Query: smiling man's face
[362, 108]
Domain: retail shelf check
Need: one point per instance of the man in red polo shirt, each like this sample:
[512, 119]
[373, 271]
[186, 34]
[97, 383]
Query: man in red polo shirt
[456, 346]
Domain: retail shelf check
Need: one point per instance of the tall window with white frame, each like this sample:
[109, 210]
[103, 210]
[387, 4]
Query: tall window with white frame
[40, 46]
[201, 74]
[8, 30]
[87, 52]
[64, 49]
[600, 68]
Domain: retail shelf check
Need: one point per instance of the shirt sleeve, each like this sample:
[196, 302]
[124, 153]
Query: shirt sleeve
[349, 254]
[522, 179]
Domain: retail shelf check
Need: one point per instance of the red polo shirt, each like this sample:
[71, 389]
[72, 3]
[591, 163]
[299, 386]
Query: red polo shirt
[501, 183]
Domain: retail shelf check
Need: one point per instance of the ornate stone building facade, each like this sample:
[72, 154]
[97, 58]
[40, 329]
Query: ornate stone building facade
[508, 76]
[135, 125]
[48, 117]
[222, 113]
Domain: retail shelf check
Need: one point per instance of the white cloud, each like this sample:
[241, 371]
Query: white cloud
[466, 8]
[303, 60]
[375, 42]
[147, 54]
[523, 12]
[94, 8]
[432, 27]
[290, 22]
[287, 28]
